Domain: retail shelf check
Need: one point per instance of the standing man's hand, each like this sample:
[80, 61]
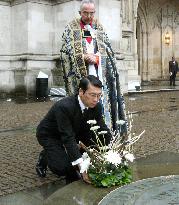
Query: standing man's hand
[90, 58]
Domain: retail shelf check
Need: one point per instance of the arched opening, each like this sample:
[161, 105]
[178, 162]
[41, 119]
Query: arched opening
[157, 38]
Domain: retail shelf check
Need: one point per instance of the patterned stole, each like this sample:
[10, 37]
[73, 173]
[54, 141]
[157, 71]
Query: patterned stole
[77, 46]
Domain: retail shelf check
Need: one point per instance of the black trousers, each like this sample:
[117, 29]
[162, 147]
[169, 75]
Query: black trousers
[172, 79]
[57, 158]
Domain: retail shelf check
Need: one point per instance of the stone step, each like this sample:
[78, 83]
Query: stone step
[160, 82]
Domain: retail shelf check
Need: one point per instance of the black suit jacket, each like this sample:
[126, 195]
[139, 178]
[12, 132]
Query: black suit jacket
[173, 67]
[65, 122]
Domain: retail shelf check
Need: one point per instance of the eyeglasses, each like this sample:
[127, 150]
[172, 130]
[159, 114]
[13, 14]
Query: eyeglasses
[85, 13]
[94, 95]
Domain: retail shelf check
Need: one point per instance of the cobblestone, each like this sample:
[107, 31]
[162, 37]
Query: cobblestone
[157, 113]
[18, 155]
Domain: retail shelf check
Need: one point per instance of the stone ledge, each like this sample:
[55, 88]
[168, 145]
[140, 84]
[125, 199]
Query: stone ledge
[155, 191]
[36, 57]
[78, 193]
[50, 2]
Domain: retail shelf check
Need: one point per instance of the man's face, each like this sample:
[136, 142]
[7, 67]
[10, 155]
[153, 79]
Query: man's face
[87, 13]
[91, 97]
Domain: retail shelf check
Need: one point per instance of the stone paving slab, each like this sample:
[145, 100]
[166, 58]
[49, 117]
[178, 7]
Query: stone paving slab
[154, 191]
[78, 193]
[81, 193]
[34, 196]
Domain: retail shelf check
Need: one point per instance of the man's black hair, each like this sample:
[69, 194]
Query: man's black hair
[90, 79]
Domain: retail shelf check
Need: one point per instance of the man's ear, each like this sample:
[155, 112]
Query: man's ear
[79, 13]
[81, 92]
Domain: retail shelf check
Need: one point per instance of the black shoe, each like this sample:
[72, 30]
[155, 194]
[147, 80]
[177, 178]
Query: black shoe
[41, 166]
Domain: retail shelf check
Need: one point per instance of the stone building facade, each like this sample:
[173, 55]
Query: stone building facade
[158, 37]
[30, 39]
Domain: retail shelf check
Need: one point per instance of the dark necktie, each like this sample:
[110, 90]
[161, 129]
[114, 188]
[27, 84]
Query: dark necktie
[85, 112]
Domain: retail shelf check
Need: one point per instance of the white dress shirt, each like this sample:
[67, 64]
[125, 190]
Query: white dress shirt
[82, 106]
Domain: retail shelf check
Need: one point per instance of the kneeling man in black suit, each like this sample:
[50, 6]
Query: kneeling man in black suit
[65, 125]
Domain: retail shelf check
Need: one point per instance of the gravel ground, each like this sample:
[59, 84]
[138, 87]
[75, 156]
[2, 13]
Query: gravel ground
[157, 114]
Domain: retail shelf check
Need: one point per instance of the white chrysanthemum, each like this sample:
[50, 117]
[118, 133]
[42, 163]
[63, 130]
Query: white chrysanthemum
[94, 128]
[91, 122]
[85, 155]
[102, 132]
[120, 122]
[113, 157]
[85, 165]
[128, 156]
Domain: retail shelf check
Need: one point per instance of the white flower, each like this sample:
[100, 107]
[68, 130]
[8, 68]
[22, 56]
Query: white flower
[94, 128]
[130, 157]
[120, 122]
[91, 122]
[102, 132]
[85, 165]
[113, 157]
[85, 155]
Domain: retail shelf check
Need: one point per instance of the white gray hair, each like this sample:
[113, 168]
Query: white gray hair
[86, 2]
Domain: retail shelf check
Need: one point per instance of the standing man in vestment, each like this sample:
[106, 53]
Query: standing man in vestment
[86, 50]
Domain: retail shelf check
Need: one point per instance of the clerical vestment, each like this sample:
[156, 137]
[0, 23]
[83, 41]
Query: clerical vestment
[74, 46]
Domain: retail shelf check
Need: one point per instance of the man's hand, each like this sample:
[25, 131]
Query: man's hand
[90, 58]
[85, 178]
[84, 175]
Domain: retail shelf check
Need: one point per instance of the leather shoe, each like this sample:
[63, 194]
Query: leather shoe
[41, 166]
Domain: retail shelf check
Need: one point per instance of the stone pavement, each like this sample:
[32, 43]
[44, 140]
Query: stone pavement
[157, 113]
[18, 146]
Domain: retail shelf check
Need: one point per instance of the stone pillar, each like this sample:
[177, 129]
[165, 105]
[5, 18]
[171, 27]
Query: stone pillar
[63, 12]
[109, 14]
[129, 41]
[145, 71]
[6, 76]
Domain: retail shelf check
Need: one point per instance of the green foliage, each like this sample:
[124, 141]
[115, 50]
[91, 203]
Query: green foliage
[116, 177]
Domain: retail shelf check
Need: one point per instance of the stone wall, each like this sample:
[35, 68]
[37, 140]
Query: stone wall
[28, 37]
